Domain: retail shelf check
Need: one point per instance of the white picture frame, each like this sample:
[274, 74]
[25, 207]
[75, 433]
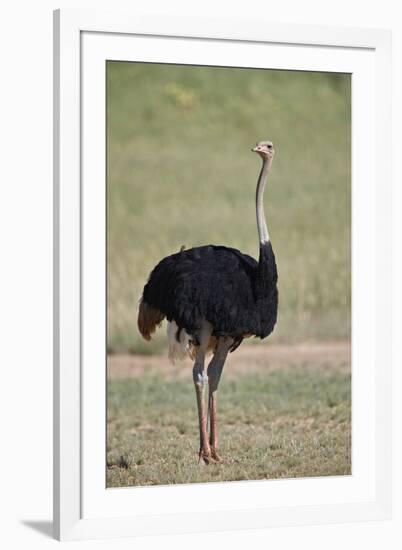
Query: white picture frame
[83, 507]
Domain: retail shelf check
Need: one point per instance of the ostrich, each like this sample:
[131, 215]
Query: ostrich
[213, 297]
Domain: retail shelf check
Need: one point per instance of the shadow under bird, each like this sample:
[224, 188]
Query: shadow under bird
[213, 297]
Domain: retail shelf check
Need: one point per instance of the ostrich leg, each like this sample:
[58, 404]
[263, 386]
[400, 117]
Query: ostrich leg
[200, 381]
[215, 368]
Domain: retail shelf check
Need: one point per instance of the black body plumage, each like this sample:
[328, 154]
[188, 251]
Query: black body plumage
[221, 285]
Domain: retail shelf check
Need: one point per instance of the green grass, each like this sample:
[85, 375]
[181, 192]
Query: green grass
[283, 423]
[180, 171]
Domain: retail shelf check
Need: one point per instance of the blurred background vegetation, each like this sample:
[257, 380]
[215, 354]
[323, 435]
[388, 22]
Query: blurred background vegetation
[180, 171]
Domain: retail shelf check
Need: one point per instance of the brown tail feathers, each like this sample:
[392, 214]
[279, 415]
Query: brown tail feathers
[149, 319]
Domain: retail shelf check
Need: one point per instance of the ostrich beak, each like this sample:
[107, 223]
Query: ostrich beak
[254, 149]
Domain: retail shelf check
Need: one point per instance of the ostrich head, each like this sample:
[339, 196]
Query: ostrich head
[265, 149]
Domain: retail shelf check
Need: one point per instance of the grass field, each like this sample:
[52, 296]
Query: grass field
[284, 412]
[180, 171]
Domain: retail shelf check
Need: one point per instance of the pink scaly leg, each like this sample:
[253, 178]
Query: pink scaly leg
[200, 382]
[215, 368]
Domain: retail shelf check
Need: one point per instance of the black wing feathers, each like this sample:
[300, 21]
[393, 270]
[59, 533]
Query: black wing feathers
[218, 284]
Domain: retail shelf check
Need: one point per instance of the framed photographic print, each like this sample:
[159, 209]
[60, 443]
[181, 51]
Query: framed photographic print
[222, 227]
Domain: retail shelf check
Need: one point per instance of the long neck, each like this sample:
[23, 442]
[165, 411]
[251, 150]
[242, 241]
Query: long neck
[267, 275]
[259, 205]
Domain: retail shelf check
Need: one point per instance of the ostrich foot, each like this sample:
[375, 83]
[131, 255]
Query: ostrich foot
[216, 457]
[209, 456]
[204, 456]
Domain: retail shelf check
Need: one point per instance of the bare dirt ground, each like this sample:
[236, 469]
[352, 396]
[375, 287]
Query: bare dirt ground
[246, 359]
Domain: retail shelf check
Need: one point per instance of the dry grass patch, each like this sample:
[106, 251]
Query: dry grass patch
[281, 422]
